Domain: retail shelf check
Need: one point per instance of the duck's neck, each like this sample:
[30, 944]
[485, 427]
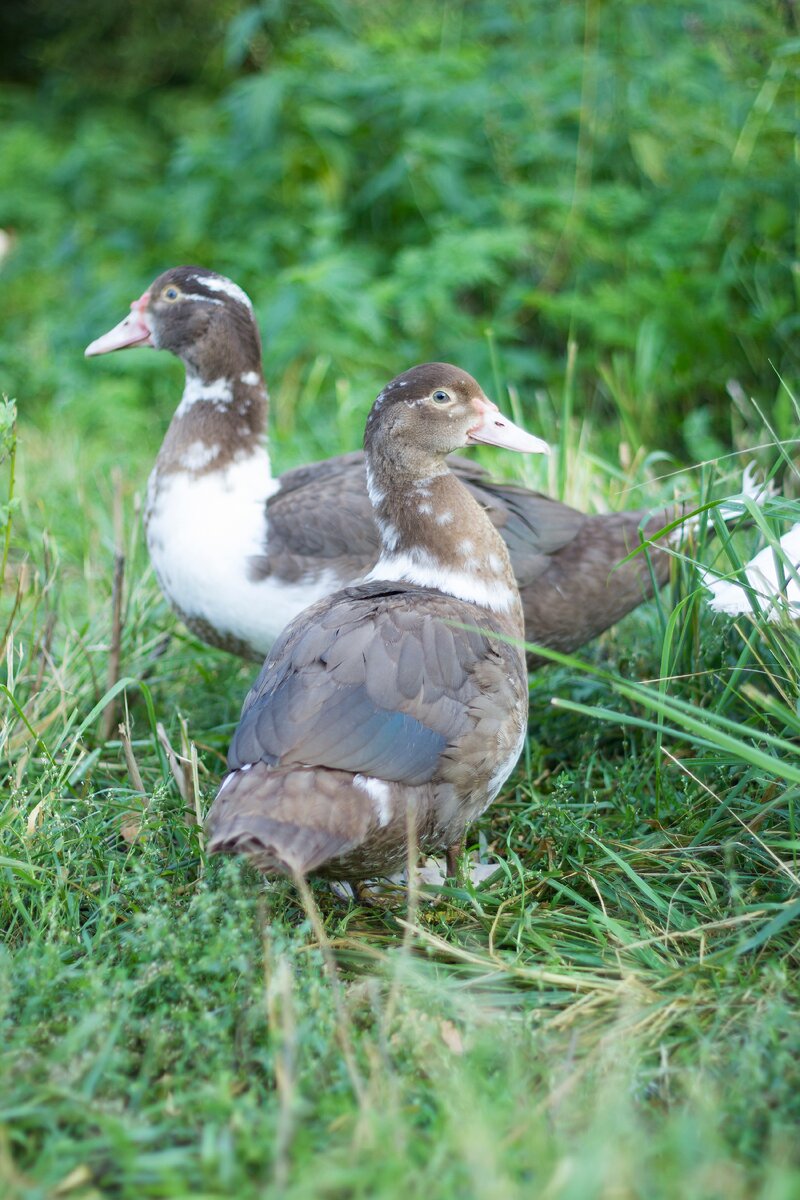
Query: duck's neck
[435, 534]
[220, 420]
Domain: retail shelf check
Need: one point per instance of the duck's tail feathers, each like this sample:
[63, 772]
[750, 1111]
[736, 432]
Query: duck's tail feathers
[294, 821]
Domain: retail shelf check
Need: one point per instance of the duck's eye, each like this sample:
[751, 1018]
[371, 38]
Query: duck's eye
[441, 397]
[170, 293]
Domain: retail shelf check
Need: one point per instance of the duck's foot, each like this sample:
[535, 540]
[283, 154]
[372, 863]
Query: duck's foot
[342, 890]
[366, 892]
[436, 871]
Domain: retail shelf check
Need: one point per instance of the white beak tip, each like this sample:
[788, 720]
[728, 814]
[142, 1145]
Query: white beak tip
[131, 331]
[496, 430]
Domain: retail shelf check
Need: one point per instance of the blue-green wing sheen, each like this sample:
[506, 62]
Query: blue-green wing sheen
[362, 683]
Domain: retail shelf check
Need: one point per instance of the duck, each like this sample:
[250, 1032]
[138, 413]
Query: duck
[769, 583]
[399, 702]
[239, 552]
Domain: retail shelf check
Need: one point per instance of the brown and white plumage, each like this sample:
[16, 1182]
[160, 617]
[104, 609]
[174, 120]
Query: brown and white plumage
[238, 553]
[407, 692]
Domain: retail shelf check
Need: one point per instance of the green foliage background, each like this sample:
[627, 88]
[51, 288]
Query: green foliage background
[394, 182]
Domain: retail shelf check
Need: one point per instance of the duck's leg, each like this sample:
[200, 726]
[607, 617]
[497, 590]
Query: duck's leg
[363, 894]
[353, 893]
[453, 853]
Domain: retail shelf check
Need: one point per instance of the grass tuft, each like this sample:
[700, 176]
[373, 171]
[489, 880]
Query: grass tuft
[614, 1012]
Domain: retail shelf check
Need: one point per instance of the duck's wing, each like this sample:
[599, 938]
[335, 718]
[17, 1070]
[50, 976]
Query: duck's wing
[378, 680]
[571, 567]
[317, 472]
[319, 519]
[568, 565]
[321, 516]
[321, 513]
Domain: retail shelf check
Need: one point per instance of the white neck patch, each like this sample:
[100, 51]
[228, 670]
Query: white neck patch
[219, 392]
[426, 571]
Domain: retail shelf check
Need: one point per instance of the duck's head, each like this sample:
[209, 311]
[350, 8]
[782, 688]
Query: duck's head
[192, 312]
[428, 412]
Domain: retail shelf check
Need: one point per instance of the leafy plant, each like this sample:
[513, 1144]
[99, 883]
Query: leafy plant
[390, 182]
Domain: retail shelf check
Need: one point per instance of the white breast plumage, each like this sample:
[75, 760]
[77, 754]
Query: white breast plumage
[202, 531]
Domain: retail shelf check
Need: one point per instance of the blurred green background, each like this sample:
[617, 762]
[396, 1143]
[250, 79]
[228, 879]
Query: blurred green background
[392, 182]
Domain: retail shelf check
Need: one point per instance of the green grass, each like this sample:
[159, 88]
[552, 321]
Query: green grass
[614, 1014]
[389, 182]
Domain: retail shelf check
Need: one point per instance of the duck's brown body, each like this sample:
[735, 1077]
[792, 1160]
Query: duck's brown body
[399, 703]
[568, 565]
[239, 553]
[378, 682]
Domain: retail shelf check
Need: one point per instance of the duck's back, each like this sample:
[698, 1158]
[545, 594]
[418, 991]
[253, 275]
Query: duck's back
[381, 678]
[568, 565]
[381, 696]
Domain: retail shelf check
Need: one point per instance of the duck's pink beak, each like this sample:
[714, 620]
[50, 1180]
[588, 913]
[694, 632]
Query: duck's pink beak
[497, 430]
[133, 330]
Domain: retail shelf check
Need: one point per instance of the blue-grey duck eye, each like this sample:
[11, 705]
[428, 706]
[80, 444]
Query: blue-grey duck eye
[441, 397]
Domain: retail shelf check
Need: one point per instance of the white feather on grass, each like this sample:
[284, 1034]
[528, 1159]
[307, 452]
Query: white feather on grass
[773, 578]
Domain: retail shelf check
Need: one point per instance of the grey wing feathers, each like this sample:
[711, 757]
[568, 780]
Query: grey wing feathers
[320, 512]
[348, 732]
[363, 684]
[328, 468]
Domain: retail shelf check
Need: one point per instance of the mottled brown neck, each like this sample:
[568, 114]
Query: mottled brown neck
[220, 419]
[431, 522]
